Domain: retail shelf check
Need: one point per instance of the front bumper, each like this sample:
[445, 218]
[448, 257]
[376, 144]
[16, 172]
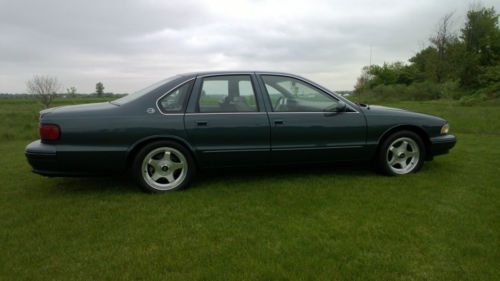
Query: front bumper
[442, 144]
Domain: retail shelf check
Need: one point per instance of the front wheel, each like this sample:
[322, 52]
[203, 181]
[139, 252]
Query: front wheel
[401, 153]
[163, 166]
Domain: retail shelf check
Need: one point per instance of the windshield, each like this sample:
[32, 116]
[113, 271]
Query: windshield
[140, 93]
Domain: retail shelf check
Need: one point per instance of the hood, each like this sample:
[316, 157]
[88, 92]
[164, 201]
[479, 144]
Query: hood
[381, 109]
[391, 111]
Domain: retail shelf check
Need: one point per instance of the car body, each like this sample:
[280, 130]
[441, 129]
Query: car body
[231, 118]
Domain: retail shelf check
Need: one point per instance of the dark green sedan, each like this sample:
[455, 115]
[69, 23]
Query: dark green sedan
[166, 132]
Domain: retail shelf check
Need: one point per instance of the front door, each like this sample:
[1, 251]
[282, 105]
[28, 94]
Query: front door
[305, 126]
[227, 124]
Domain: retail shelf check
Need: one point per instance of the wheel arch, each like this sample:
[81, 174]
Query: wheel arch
[137, 146]
[412, 128]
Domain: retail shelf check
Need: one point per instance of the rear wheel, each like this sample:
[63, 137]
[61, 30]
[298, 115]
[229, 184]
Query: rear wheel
[163, 166]
[401, 153]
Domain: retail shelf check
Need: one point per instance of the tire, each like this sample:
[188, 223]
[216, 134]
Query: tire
[163, 166]
[401, 153]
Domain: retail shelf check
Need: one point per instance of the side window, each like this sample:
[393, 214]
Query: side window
[274, 94]
[292, 95]
[176, 100]
[233, 93]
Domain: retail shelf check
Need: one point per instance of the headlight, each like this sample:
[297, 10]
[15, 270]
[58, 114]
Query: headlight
[445, 129]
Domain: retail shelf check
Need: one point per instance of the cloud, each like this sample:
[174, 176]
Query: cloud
[129, 44]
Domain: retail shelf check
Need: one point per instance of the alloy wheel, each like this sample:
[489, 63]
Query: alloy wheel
[164, 168]
[403, 155]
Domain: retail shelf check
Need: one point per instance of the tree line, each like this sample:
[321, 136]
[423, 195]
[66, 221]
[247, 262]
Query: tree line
[462, 65]
[45, 89]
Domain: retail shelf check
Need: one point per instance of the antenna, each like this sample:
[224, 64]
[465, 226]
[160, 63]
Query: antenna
[370, 56]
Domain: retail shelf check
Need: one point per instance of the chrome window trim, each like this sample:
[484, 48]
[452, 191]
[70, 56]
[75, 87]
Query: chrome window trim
[263, 112]
[224, 74]
[232, 74]
[349, 103]
[168, 92]
[325, 90]
[226, 113]
[308, 112]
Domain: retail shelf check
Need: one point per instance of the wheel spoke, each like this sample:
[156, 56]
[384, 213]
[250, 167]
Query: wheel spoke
[170, 177]
[155, 163]
[410, 154]
[156, 176]
[176, 166]
[403, 163]
[404, 146]
[167, 155]
[393, 161]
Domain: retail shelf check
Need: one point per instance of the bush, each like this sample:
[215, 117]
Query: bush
[389, 92]
[423, 91]
[474, 99]
[417, 91]
[450, 90]
[490, 93]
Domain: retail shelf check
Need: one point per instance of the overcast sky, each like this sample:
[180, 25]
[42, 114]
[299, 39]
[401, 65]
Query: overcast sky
[130, 44]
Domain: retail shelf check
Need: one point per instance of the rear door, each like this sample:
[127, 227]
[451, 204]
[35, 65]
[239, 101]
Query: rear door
[303, 126]
[226, 122]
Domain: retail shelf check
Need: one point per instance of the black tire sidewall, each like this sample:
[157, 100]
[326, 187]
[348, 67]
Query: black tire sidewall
[137, 166]
[381, 158]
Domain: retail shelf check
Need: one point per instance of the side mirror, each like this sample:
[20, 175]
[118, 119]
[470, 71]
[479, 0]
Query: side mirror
[334, 110]
[341, 106]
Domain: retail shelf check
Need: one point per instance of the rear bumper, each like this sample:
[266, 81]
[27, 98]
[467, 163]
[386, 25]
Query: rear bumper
[69, 160]
[44, 161]
[442, 144]
[42, 158]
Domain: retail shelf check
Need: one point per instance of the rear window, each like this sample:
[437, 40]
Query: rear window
[140, 93]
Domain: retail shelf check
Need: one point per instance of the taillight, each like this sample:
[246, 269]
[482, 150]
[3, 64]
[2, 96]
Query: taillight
[49, 132]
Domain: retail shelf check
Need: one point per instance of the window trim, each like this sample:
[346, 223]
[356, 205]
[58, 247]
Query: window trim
[254, 89]
[184, 106]
[314, 85]
[321, 91]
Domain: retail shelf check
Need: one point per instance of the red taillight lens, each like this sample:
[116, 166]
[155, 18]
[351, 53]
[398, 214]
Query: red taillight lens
[49, 132]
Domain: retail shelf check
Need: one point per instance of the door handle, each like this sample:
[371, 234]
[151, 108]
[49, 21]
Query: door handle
[278, 122]
[201, 123]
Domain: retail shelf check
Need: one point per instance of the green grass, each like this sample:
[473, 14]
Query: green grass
[317, 223]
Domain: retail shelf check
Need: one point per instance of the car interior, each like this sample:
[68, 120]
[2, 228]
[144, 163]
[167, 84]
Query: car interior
[227, 94]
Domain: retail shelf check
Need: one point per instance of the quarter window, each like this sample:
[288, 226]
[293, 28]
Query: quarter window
[176, 100]
[233, 93]
[292, 95]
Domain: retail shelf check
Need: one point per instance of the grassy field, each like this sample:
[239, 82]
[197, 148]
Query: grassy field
[321, 223]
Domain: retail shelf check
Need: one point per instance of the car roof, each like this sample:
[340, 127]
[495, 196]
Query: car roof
[222, 72]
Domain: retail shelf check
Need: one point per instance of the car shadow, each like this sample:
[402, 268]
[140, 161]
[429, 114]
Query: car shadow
[249, 174]
[97, 184]
[210, 177]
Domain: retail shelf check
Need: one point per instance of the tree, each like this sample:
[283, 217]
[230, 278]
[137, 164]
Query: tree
[481, 36]
[425, 64]
[99, 89]
[442, 41]
[465, 64]
[363, 80]
[44, 88]
[71, 91]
